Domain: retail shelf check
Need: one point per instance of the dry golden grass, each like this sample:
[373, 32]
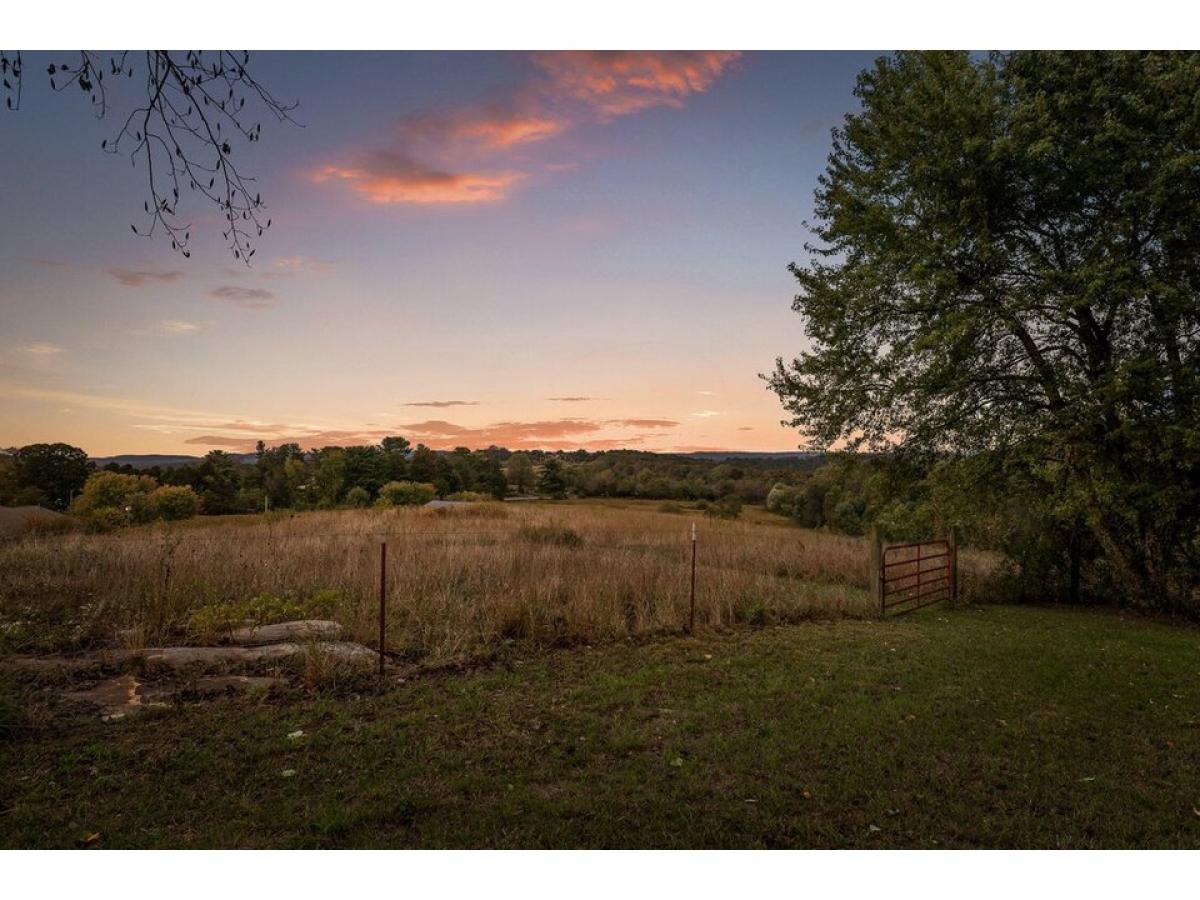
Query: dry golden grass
[460, 582]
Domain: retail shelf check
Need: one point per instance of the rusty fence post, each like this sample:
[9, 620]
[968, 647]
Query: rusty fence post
[382, 600]
[692, 602]
[953, 561]
[877, 568]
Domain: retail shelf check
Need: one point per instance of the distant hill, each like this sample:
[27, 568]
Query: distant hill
[162, 460]
[786, 457]
[751, 454]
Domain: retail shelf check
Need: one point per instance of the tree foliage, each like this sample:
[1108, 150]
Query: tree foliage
[1008, 272]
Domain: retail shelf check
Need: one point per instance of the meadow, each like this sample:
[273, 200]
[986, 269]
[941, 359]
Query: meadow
[461, 582]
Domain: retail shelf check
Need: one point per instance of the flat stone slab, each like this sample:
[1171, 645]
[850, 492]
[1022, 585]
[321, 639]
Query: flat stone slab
[189, 657]
[51, 665]
[304, 630]
[125, 695]
[121, 696]
[183, 657]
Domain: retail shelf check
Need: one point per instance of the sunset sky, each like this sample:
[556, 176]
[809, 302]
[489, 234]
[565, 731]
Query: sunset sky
[533, 250]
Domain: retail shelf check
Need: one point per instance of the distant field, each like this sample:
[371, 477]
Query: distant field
[982, 727]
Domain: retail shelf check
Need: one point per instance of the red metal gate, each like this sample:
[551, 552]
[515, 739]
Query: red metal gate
[912, 576]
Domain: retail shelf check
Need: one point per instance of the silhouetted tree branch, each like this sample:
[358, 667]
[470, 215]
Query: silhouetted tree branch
[195, 105]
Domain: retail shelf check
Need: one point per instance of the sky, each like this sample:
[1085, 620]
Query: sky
[536, 250]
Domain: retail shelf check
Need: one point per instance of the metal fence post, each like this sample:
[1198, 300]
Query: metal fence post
[692, 604]
[382, 600]
[877, 568]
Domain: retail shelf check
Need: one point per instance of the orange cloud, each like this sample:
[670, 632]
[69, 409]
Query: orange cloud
[389, 177]
[617, 83]
[491, 128]
[568, 87]
[499, 134]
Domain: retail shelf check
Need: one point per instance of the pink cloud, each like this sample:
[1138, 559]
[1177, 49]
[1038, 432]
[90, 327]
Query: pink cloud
[390, 177]
[617, 83]
[566, 89]
[246, 298]
[142, 277]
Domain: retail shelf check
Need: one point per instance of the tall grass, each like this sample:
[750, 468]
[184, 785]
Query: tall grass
[460, 582]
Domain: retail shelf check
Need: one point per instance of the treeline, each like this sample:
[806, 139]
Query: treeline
[393, 472]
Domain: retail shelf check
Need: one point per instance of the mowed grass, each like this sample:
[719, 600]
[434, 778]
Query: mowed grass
[977, 727]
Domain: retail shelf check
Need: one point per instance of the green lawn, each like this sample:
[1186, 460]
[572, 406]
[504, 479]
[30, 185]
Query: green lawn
[987, 727]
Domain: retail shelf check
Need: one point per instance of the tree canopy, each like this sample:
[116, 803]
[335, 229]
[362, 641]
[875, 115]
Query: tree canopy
[1007, 270]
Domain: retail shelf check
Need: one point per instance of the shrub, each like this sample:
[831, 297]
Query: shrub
[555, 535]
[728, 507]
[111, 489]
[358, 497]
[468, 497]
[216, 620]
[782, 499]
[173, 503]
[406, 493]
[106, 518]
[670, 506]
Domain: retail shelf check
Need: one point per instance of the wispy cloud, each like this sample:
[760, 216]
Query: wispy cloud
[645, 423]
[246, 298]
[391, 177]
[617, 83]
[572, 399]
[40, 350]
[167, 328]
[471, 147]
[442, 404]
[137, 278]
[300, 264]
[706, 413]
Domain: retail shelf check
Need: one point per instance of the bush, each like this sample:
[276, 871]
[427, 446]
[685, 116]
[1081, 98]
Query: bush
[358, 497]
[173, 503]
[468, 497]
[216, 620]
[728, 507]
[106, 518]
[782, 499]
[111, 489]
[555, 535]
[406, 493]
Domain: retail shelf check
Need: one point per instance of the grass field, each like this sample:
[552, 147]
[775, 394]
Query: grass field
[978, 727]
[461, 582]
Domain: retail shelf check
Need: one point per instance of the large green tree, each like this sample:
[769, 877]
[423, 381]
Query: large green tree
[1008, 270]
[55, 471]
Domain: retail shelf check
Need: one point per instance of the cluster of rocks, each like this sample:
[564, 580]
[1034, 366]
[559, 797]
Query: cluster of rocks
[127, 693]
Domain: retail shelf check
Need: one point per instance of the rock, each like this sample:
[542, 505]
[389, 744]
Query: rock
[184, 657]
[308, 629]
[120, 696]
[214, 685]
[57, 665]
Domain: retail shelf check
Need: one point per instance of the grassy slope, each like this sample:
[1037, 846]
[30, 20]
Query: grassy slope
[979, 727]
